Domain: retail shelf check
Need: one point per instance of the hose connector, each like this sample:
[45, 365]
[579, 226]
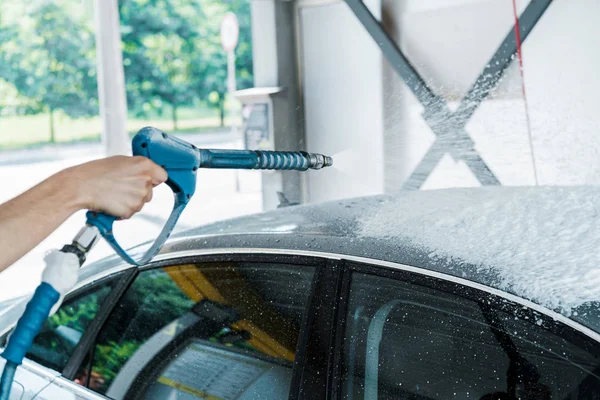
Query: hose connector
[83, 242]
[318, 161]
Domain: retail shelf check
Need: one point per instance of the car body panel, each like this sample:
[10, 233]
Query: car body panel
[30, 379]
[8, 303]
[66, 390]
[329, 230]
[335, 227]
[332, 227]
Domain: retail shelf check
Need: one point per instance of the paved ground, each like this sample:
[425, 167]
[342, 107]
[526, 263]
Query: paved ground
[216, 198]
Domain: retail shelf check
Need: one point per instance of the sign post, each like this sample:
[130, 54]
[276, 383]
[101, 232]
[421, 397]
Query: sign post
[230, 32]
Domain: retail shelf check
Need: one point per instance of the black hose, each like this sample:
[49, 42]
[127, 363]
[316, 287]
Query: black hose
[7, 379]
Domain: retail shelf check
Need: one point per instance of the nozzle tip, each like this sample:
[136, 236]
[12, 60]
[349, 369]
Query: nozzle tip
[318, 161]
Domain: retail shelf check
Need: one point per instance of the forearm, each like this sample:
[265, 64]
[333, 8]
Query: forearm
[116, 185]
[30, 217]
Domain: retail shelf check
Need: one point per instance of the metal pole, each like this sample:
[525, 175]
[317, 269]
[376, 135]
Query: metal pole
[231, 88]
[111, 78]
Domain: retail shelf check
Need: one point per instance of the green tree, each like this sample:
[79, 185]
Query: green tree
[158, 46]
[172, 86]
[55, 64]
[9, 95]
[211, 64]
[172, 53]
[8, 33]
[209, 68]
[152, 302]
[243, 51]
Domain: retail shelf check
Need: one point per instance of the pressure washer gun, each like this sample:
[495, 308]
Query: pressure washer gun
[181, 160]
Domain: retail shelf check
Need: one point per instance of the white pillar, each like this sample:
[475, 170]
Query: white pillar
[274, 58]
[231, 88]
[111, 78]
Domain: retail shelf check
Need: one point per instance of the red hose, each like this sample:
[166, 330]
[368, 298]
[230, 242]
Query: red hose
[520, 56]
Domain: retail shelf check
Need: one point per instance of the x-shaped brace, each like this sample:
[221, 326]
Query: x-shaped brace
[448, 126]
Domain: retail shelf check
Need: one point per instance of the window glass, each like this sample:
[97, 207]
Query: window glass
[404, 341]
[61, 333]
[221, 329]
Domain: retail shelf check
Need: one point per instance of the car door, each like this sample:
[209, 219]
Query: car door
[204, 327]
[59, 337]
[407, 335]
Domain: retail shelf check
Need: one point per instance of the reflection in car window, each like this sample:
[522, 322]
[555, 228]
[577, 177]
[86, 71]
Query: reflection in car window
[411, 342]
[218, 329]
[61, 333]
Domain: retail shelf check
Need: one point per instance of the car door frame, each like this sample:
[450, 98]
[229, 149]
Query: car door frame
[49, 374]
[89, 336]
[554, 322]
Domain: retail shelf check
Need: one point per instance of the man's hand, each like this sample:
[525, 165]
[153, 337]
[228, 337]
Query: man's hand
[119, 186]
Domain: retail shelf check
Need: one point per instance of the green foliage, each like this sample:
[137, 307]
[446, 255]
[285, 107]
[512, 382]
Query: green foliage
[150, 304]
[172, 52]
[62, 63]
[8, 34]
[172, 56]
[157, 45]
[52, 66]
[210, 65]
[163, 301]
[243, 51]
[110, 358]
[76, 314]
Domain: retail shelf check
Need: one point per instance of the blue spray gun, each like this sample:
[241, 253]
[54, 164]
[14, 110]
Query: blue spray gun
[181, 160]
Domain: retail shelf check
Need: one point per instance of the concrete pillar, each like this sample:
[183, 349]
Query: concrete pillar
[274, 60]
[111, 78]
[342, 93]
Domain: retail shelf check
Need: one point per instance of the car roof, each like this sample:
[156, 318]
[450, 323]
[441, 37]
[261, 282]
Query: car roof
[541, 244]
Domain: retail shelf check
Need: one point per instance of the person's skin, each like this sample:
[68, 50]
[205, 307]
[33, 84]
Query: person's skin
[118, 186]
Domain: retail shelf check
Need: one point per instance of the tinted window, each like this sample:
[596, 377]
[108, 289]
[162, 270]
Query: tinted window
[61, 332]
[222, 329]
[411, 342]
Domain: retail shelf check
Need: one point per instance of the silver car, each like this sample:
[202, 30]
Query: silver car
[370, 298]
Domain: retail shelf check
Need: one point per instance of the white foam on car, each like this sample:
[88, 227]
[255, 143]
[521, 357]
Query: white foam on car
[543, 243]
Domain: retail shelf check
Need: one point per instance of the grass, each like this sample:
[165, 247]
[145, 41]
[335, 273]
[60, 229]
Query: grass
[33, 130]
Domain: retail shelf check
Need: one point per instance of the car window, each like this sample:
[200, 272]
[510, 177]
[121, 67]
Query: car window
[227, 330]
[61, 332]
[405, 341]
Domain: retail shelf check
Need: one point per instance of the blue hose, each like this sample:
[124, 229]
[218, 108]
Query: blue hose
[27, 328]
[7, 379]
